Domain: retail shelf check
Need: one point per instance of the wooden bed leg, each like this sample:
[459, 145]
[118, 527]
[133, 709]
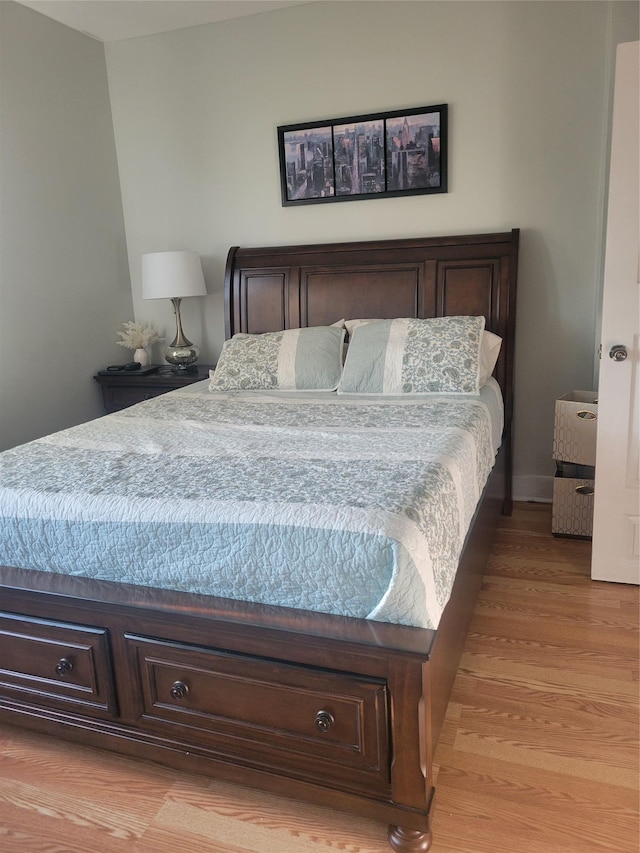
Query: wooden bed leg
[409, 840]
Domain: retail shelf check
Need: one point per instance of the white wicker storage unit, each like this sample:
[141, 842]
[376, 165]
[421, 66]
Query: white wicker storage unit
[574, 450]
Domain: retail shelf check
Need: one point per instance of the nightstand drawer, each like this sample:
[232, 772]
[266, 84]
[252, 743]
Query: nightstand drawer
[120, 390]
[56, 662]
[122, 396]
[314, 723]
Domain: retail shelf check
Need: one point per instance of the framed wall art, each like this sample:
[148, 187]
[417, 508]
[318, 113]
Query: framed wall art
[403, 152]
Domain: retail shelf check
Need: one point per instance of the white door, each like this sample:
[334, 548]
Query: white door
[616, 522]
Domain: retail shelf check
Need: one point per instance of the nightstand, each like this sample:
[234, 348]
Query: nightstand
[120, 390]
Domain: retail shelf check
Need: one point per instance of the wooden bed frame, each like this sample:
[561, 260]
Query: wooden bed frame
[340, 712]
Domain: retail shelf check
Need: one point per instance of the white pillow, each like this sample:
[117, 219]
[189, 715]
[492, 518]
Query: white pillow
[440, 355]
[352, 325]
[307, 359]
[489, 352]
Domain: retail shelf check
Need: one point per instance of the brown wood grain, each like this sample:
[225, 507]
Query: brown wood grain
[538, 752]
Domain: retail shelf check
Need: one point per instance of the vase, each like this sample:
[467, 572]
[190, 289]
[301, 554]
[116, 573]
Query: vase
[141, 356]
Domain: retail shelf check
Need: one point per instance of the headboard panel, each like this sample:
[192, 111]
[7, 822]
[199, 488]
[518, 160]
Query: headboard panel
[287, 287]
[390, 292]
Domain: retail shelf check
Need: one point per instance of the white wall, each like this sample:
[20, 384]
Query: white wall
[195, 117]
[64, 277]
[195, 114]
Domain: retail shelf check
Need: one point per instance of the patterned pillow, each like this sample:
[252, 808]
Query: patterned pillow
[293, 360]
[435, 356]
[489, 348]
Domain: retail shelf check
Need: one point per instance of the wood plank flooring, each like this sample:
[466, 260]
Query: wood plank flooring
[539, 752]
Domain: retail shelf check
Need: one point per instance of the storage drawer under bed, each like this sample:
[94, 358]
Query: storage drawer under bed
[57, 664]
[315, 724]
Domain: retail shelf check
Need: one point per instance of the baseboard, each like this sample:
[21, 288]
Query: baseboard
[532, 487]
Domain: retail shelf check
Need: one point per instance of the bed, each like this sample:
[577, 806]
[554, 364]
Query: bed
[247, 584]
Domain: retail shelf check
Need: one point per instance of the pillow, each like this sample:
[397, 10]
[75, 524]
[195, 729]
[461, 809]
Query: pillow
[440, 355]
[292, 360]
[489, 352]
[489, 348]
[352, 325]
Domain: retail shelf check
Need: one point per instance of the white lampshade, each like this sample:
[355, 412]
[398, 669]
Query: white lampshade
[166, 275]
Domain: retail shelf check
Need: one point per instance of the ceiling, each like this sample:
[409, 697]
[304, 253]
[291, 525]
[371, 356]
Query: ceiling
[114, 20]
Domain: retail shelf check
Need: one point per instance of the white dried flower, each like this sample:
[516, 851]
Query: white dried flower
[138, 335]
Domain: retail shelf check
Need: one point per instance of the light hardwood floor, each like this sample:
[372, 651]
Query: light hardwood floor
[539, 752]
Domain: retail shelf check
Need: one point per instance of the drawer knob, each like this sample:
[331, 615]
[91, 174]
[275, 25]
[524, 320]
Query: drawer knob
[179, 690]
[324, 721]
[63, 667]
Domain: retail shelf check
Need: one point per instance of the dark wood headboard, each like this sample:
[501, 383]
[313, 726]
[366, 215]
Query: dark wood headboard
[286, 287]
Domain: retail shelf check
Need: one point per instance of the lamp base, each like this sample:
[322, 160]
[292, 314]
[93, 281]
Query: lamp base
[180, 352]
[172, 370]
[181, 356]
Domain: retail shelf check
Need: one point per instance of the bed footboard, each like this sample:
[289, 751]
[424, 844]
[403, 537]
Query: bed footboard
[244, 693]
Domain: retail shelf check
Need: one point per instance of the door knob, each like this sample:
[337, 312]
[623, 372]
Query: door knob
[618, 352]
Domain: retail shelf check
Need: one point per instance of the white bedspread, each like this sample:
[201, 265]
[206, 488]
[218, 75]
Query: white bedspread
[348, 505]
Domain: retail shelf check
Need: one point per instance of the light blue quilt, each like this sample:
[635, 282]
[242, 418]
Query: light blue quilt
[355, 506]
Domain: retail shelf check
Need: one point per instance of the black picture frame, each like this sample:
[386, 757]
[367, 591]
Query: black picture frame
[398, 153]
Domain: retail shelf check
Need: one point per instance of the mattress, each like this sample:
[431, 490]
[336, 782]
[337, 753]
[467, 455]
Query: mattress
[355, 506]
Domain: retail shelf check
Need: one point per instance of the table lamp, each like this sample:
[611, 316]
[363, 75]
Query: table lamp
[174, 275]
